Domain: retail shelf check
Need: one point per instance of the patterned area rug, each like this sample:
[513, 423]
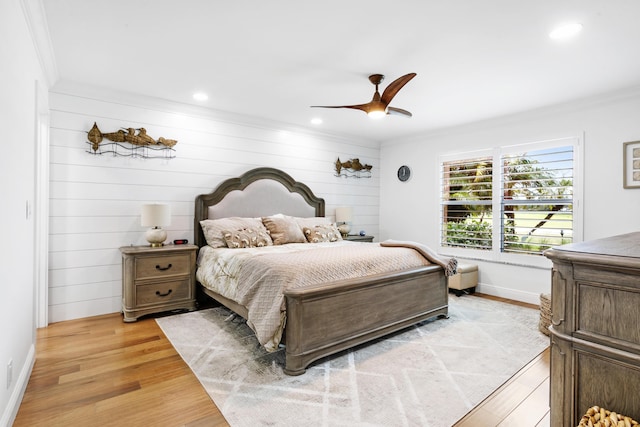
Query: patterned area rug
[431, 374]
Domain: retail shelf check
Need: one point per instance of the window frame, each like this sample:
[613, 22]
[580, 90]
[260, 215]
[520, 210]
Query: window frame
[495, 254]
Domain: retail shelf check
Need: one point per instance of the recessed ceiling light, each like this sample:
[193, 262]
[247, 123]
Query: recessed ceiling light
[316, 121]
[565, 31]
[200, 96]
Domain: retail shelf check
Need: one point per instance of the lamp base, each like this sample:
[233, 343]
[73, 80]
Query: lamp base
[344, 229]
[156, 237]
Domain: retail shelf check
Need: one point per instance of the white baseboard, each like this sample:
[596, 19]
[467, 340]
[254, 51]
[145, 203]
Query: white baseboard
[496, 291]
[11, 410]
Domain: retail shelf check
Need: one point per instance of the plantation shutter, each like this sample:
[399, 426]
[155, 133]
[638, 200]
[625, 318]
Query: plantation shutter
[466, 203]
[537, 199]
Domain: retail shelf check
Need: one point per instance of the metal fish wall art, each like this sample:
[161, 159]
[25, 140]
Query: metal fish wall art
[141, 138]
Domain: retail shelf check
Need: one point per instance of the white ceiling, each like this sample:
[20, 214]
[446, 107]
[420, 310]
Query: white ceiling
[273, 59]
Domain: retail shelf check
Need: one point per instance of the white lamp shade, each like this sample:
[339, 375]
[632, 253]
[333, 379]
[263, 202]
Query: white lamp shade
[344, 214]
[155, 215]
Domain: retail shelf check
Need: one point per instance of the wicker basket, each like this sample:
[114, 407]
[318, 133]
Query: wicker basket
[600, 417]
[545, 313]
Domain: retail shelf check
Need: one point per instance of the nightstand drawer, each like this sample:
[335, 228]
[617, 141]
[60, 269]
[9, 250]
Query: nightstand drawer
[162, 293]
[162, 266]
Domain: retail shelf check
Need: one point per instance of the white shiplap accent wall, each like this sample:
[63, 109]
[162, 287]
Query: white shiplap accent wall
[95, 200]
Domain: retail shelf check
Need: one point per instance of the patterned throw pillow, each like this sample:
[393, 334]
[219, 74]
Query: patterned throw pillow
[322, 233]
[312, 221]
[247, 238]
[284, 230]
[213, 228]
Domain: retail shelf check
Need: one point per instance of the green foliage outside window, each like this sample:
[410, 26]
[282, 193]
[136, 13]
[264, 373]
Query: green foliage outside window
[536, 202]
[470, 232]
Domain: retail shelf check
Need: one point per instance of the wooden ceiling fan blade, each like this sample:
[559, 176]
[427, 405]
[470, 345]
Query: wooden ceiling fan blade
[398, 112]
[395, 86]
[363, 107]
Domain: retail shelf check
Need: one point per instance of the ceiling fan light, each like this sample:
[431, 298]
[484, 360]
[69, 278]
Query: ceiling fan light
[377, 114]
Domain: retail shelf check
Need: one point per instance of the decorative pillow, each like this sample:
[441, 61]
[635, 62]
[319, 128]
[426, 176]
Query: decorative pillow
[322, 233]
[247, 238]
[213, 228]
[312, 221]
[284, 230]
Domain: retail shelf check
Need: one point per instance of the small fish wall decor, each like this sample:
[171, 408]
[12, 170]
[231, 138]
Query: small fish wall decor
[137, 137]
[353, 168]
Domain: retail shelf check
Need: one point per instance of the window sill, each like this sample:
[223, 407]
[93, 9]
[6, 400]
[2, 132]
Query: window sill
[530, 261]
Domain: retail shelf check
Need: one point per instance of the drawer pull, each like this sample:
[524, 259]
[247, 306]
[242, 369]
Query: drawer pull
[163, 268]
[164, 295]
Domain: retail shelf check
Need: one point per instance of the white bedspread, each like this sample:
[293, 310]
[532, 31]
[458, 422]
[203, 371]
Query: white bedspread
[256, 277]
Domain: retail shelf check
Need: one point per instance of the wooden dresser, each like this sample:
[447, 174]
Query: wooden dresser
[595, 328]
[157, 279]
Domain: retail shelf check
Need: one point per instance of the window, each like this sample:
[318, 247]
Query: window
[537, 200]
[517, 200]
[467, 195]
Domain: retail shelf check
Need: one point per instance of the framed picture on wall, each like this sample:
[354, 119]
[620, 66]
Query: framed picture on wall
[631, 167]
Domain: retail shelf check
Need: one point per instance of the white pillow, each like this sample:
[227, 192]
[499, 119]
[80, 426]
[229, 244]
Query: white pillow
[284, 230]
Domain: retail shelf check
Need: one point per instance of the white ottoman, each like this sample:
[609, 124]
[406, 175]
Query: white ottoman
[465, 280]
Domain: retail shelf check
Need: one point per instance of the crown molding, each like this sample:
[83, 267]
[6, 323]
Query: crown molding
[36, 19]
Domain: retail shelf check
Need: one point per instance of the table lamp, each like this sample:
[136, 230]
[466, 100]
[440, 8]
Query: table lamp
[156, 215]
[343, 220]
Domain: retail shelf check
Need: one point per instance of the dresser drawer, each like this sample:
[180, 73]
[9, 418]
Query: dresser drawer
[162, 266]
[608, 313]
[163, 292]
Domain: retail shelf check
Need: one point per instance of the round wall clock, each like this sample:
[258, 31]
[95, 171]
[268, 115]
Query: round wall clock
[404, 173]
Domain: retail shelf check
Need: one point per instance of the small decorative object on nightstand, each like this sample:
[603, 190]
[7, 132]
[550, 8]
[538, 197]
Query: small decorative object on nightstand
[157, 279]
[358, 238]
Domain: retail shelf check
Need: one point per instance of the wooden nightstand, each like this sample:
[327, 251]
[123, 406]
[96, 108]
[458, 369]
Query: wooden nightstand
[358, 238]
[157, 279]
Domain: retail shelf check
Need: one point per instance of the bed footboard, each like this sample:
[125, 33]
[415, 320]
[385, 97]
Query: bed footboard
[329, 318]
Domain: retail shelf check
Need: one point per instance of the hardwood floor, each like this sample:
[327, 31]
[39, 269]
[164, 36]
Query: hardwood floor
[521, 401]
[102, 371]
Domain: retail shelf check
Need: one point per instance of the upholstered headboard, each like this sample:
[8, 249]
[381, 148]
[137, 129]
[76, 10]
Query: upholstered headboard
[256, 193]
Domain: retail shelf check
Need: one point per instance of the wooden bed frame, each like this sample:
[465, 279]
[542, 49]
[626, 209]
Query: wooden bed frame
[328, 318]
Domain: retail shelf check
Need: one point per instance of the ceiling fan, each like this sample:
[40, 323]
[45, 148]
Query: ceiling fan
[379, 105]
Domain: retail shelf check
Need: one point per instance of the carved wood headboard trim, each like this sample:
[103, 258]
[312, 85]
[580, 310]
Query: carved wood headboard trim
[204, 201]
